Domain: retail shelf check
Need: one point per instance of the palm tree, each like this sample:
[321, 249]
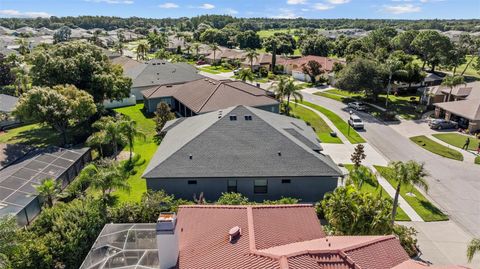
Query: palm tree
[110, 133]
[196, 48]
[360, 175]
[119, 47]
[22, 80]
[393, 67]
[142, 50]
[246, 74]
[214, 47]
[188, 48]
[252, 55]
[106, 176]
[48, 190]
[473, 248]
[130, 131]
[452, 82]
[286, 88]
[409, 173]
[24, 47]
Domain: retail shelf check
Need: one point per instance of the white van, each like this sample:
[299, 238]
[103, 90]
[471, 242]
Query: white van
[355, 122]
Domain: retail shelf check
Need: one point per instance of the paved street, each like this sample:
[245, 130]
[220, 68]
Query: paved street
[454, 186]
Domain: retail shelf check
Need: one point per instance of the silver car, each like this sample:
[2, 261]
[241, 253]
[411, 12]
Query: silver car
[359, 106]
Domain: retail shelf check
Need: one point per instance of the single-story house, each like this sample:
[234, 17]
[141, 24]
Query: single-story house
[465, 112]
[432, 79]
[18, 196]
[7, 105]
[243, 236]
[144, 75]
[294, 66]
[260, 154]
[206, 94]
[264, 60]
[225, 54]
[440, 93]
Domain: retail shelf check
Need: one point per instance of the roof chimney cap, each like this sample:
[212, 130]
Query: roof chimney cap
[234, 233]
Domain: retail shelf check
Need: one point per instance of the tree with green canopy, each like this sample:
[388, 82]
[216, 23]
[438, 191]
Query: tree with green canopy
[312, 69]
[432, 48]
[251, 55]
[48, 191]
[109, 133]
[246, 74]
[249, 40]
[452, 82]
[83, 65]
[142, 50]
[286, 89]
[62, 35]
[315, 45]
[60, 107]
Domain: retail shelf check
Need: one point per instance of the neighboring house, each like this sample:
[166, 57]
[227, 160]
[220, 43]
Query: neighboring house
[263, 155]
[438, 94]
[432, 79]
[294, 66]
[225, 54]
[7, 105]
[263, 60]
[206, 94]
[144, 75]
[246, 237]
[18, 196]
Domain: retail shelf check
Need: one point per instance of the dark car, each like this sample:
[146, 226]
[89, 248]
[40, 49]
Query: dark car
[359, 106]
[201, 62]
[440, 124]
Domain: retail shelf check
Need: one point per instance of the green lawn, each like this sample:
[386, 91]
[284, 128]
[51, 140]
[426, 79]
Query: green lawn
[477, 160]
[418, 202]
[318, 124]
[335, 97]
[368, 188]
[260, 80]
[341, 125]
[437, 148]
[36, 135]
[458, 140]
[214, 69]
[146, 148]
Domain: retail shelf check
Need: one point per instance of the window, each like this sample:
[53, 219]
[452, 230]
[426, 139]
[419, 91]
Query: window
[233, 117]
[192, 182]
[260, 186]
[286, 181]
[232, 185]
[248, 117]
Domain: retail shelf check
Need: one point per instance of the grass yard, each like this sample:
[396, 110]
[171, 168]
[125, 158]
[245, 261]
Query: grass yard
[368, 188]
[423, 207]
[477, 160]
[214, 69]
[437, 148]
[318, 124]
[341, 125]
[458, 140]
[335, 97]
[145, 148]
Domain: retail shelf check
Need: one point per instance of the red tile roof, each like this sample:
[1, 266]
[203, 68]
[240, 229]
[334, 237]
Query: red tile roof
[280, 236]
[327, 63]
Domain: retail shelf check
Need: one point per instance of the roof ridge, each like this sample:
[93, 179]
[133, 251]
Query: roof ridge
[369, 243]
[210, 96]
[245, 206]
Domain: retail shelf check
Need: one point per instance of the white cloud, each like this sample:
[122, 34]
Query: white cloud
[168, 5]
[207, 6]
[321, 6]
[402, 9]
[285, 13]
[296, 2]
[125, 2]
[338, 2]
[19, 14]
[231, 11]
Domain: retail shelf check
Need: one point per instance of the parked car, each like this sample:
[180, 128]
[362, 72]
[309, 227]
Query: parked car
[236, 71]
[359, 106]
[439, 124]
[355, 122]
[201, 62]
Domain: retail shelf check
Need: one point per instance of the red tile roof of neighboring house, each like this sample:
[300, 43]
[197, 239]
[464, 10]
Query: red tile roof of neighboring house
[327, 63]
[280, 236]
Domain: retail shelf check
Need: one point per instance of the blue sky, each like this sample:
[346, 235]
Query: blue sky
[390, 9]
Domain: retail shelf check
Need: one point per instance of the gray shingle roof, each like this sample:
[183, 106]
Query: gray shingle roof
[159, 72]
[7, 103]
[221, 147]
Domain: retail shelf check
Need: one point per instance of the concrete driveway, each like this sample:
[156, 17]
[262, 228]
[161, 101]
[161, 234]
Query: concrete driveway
[454, 186]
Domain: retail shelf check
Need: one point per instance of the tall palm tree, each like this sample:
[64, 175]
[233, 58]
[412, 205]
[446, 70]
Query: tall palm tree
[129, 129]
[109, 133]
[196, 48]
[393, 67]
[473, 248]
[407, 173]
[246, 74]
[48, 191]
[142, 50]
[106, 176]
[251, 55]
[24, 47]
[119, 47]
[214, 47]
[22, 80]
[286, 89]
[452, 82]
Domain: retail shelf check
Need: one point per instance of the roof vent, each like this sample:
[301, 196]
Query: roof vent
[169, 86]
[190, 156]
[234, 234]
[279, 153]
